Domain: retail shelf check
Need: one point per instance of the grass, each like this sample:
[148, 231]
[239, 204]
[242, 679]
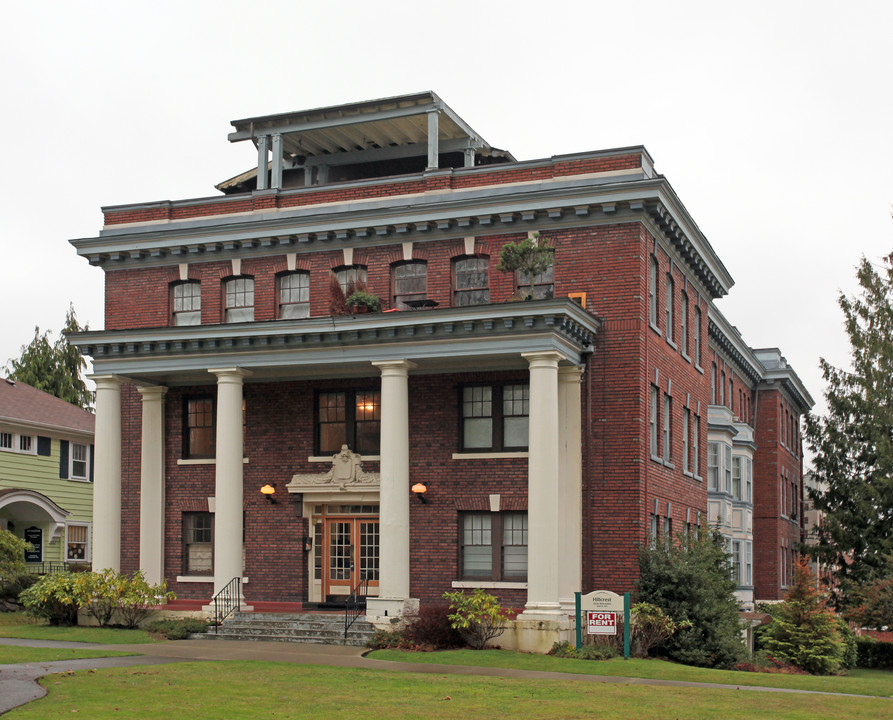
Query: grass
[10, 654]
[237, 690]
[858, 682]
[20, 625]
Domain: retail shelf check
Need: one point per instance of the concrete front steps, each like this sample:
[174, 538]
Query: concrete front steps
[321, 628]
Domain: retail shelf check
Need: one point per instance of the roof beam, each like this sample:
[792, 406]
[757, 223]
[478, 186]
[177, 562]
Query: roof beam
[253, 131]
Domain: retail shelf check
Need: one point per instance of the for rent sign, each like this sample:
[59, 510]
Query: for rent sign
[601, 623]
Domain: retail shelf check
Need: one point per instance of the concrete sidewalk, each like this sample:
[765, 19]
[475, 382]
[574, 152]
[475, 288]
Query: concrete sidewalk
[18, 682]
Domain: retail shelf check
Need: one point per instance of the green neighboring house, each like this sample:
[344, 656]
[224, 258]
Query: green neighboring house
[46, 475]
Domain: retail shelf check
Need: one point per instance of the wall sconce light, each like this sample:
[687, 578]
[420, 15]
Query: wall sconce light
[419, 490]
[308, 543]
[268, 491]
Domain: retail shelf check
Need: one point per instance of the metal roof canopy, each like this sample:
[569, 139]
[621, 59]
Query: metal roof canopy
[384, 129]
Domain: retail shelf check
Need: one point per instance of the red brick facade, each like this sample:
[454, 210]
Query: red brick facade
[605, 256]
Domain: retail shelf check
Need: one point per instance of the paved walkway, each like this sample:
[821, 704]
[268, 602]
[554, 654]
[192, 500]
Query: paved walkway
[18, 682]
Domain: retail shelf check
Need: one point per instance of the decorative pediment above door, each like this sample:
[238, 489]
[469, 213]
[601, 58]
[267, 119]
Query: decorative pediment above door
[345, 475]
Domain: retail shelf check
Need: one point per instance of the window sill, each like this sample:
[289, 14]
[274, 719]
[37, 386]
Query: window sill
[200, 579]
[328, 458]
[79, 480]
[498, 585]
[685, 356]
[672, 344]
[656, 458]
[699, 478]
[687, 474]
[203, 461]
[699, 368]
[667, 464]
[489, 455]
[655, 328]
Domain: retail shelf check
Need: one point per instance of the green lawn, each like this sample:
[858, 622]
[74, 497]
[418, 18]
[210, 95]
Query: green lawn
[19, 625]
[237, 690]
[10, 654]
[858, 682]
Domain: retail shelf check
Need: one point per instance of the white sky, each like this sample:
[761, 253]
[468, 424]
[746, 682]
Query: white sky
[772, 120]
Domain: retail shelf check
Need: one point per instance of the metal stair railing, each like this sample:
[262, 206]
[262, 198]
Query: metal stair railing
[227, 601]
[356, 603]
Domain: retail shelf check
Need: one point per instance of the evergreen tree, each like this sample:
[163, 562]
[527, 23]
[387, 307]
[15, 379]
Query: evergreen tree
[803, 630]
[691, 580]
[55, 368]
[531, 256]
[853, 444]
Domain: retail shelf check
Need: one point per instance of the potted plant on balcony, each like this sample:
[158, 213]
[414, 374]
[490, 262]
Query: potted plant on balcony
[361, 301]
[528, 257]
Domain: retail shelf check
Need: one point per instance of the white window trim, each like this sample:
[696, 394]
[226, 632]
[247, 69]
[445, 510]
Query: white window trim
[207, 461]
[71, 475]
[88, 549]
[497, 584]
[16, 443]
[490, 455]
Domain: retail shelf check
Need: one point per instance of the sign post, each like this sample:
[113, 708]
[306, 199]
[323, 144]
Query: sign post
[601, 608]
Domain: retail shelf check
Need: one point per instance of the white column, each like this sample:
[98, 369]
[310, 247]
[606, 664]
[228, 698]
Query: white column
[152, 484]
[433, 140]
[107, 474]
[228, 487]
[393, 584]
[276, 172]
[263, 148]
[543, 552]
[570, 486]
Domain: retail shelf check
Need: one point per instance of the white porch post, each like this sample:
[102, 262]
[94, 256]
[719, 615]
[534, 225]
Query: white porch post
[570, 486]
[152, 484]
[228, 486]
[107, 474]
[394, 509]
[543, 552]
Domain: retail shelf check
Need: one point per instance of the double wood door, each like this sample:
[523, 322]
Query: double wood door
[350, 553]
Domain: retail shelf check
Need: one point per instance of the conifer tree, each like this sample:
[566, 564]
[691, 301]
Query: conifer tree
[804, 630]
[690, 579]
[853, 443]
[55, 368]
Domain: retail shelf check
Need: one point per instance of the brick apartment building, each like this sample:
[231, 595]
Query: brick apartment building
[551, 436]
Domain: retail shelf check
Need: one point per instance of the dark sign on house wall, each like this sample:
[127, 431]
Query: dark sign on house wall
[34, 535]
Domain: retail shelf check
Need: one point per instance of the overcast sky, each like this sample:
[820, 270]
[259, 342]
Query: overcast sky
[772, 121]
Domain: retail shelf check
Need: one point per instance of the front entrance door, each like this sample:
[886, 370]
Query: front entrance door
[350, 553]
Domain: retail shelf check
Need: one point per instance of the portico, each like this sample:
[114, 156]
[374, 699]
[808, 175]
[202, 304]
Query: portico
[548, 343]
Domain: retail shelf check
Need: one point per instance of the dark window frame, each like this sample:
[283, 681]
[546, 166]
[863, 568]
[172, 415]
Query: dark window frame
[185, 530]
[497, 417]
[464, 292]
[225, 289]
[497, 549]
[399, 298]
[174, 313]
[291, 303]
[350, 421]
[188, 452]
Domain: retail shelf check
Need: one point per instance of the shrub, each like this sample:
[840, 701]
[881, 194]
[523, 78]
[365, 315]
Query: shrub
[55, 598]
[177, 628]
[803, 630]
[850, 653]
[690, 580]
[393, 639]
[138, 599]
[652, 626]
[763, 662]
[12, 557]
[432, 628]
[361, 297]
[872, 653]
[593, 651]
[478, 617]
